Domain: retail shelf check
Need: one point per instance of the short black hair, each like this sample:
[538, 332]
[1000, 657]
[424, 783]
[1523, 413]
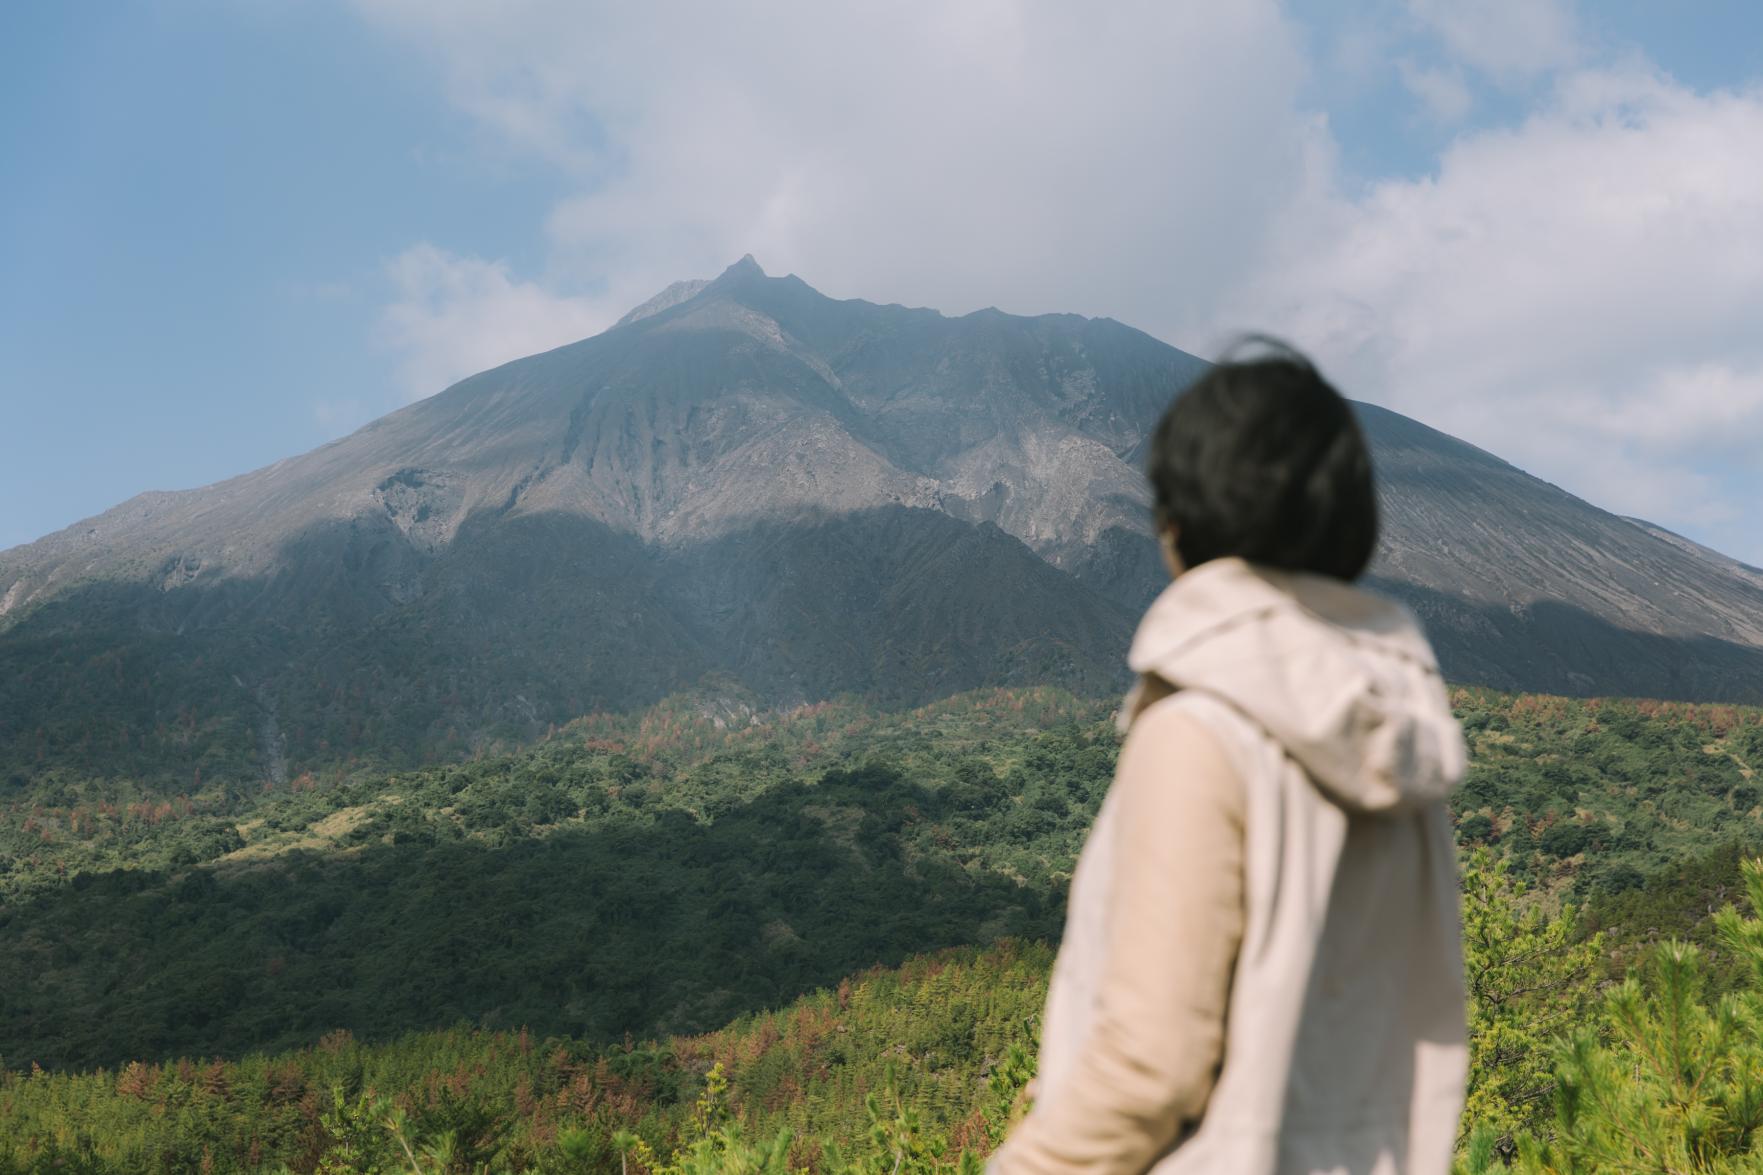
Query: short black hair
[1262, 458]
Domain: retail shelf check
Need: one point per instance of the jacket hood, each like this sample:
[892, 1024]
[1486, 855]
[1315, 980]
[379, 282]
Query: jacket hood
[1344, 680]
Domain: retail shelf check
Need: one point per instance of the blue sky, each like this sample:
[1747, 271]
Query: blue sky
[232, 231]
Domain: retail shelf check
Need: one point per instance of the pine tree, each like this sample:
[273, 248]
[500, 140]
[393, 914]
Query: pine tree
[1667, 1079]
[1528, 980]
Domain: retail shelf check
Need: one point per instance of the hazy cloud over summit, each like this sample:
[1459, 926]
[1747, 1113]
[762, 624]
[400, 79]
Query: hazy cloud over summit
[1571, 286]
[950, 155]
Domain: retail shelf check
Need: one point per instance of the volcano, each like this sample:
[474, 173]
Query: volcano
[748, 488]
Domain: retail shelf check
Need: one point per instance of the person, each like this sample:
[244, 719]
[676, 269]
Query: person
[1261, 969]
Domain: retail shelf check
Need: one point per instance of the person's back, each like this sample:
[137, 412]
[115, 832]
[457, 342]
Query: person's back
[1261, 970]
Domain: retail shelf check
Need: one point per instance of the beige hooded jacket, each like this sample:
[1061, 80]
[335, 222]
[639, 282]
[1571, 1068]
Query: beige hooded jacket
[1261, 969]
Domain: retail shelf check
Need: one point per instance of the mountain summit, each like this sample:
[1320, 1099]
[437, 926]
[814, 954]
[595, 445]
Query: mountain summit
[747, 482]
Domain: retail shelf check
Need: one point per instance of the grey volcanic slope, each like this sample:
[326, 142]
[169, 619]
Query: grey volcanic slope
[1526, 587]
[749, 482]
[1725, 564]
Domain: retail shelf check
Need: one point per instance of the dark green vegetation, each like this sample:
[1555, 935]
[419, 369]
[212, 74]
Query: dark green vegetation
[506, 633]
[667, 872]
[640, 877]
[1604, 794]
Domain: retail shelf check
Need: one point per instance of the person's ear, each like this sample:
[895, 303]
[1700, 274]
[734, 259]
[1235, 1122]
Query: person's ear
[1166, 539]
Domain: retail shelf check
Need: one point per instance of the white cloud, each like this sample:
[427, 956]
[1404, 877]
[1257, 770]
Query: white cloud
[1578, 294]
[453, 316]
[1040, 156]
[1510, 40]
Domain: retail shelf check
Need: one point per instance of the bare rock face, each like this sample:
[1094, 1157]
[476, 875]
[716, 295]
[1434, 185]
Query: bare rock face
[1725, 564]
[748, 480]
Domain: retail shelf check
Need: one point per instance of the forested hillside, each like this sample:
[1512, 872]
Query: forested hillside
[650, 876]
[667, 872]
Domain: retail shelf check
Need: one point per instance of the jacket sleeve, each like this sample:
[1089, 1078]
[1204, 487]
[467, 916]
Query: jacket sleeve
[1176, 918]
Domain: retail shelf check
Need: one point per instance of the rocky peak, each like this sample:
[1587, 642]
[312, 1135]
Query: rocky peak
[745, 267]
[743, 273]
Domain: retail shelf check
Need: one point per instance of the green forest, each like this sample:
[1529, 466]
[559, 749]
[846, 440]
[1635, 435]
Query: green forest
[704, 937]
